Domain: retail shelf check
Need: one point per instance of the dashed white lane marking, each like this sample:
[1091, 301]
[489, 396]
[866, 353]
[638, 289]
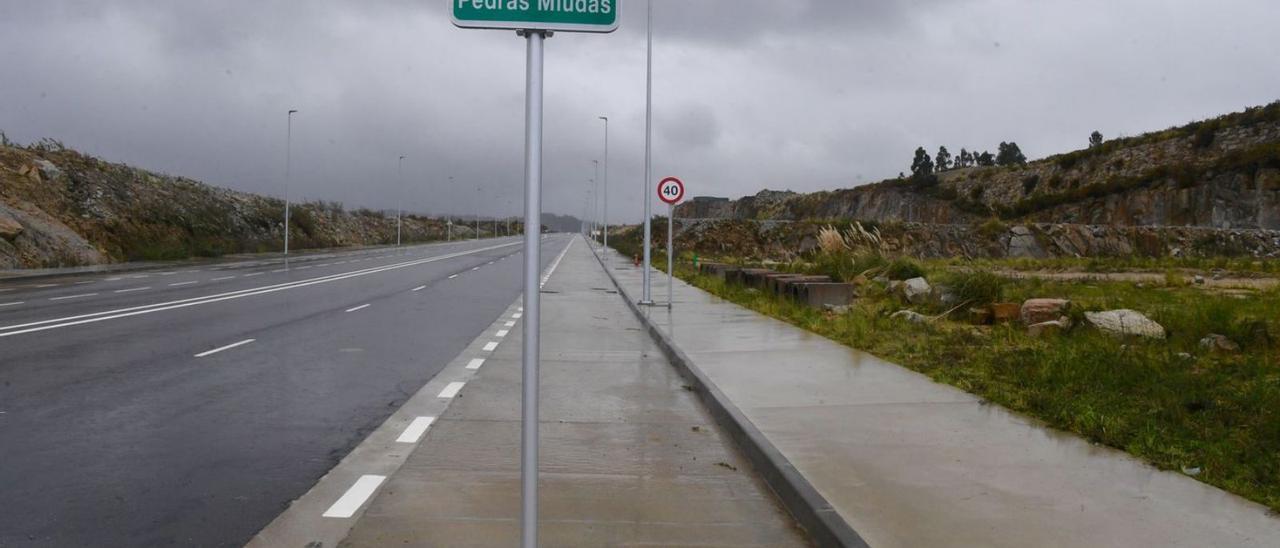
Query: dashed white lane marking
[491, 346]
[73, 297]
[419, 288]
[132, 290]
[361, 307]
[115, 279]
[252, 275]
[223, 278]
[475, 269]
[165, 273]
[491, 262]
[355, 497]
[227, 347]
[475, 364]
[453, 276]
[325, 264]
[451, 390]
[520, 309]
[415, 430]
[12, 304]
[304, 267]
[42, 286]
[279, 270]
[502, 332]
[182, 283]
[85, 282]
[517, 315]
[509, 324]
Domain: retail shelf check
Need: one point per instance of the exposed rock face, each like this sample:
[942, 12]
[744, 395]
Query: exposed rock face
[10, 228]
[1228, 177]
[1125, 322]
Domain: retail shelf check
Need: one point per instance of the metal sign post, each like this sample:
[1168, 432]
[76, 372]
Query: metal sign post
[671, 191]
[535, 21]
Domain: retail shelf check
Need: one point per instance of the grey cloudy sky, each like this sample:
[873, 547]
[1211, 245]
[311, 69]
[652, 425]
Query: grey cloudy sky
[749, 94]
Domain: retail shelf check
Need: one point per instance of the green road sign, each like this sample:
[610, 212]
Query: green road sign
[554, 15]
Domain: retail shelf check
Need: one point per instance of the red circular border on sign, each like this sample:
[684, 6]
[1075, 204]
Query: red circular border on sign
[678, 183]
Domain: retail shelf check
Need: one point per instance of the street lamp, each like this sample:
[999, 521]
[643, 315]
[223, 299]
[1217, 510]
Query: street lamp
[479, 198]
[288, 167]
[646, 298]
[399, 196]
[595, 199]
[605, 213]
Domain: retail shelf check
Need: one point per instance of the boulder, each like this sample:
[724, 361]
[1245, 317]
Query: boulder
[1036, 311]
[10, 228]
[1045, 329]
[1005, 312]
[1125, 322]
[980, 316]
[909, 316]
[1219, 343]
[916, 291]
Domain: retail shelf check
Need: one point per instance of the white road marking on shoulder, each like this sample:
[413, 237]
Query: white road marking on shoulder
[451, 390]
[227, 347]
[509, 324]
[491, 346]
[182, 283]
[502, 332]
[355, 497]
[165, 273]
[475, 364]
[415, 430]
[419, 288]
[72, 297]
[517, 315]
[361, 307]
[132, 290]
[279, 270]
[475, 269]
[12, 304]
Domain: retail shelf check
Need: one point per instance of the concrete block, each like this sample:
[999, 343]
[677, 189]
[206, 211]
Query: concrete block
[820, 294]
[739, 276]
[778, 284]
[757, 279]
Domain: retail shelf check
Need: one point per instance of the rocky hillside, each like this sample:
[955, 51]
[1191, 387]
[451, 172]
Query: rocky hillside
[1218, 173]
[62, 208]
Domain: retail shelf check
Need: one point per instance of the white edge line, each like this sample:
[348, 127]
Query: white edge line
[72, 297]
[502, 332]
[451, 390]
[419, 288]
[361, 307]
[227, 347]
[12, 304]
[415, 430]
[491, 346]
[132, 290]
[355, 497]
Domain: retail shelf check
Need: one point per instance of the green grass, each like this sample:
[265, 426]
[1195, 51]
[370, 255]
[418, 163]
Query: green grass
[1219, 413]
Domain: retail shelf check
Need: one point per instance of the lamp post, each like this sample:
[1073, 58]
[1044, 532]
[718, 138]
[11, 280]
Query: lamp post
[399, 197]
[646, 298]
[288, 168]
[595, 199]
[479, 199]
[604, 214]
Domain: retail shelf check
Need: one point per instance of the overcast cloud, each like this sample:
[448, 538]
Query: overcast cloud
[749, 94]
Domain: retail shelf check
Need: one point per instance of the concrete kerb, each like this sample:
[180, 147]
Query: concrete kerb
[809, 508]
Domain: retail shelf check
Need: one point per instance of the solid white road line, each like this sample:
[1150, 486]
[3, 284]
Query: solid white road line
[475, 364]
[181, 283]
[475, 269]
[19, 329]
[223, 278]
[491, 346]
[165, 273]
[451, 390]
[502, 332]
[72, 297]
[453, 276]
[227, 347]
[419, 288]
[132, 290]
[509, 324]
[415, 430]
[361, 307]
[252, 275]
[12, 304]
[85, 282]
[355, 497]
[42, 286]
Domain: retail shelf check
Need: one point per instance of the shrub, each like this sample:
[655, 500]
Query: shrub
[1029, 183]
[977, 288]
[903, 268]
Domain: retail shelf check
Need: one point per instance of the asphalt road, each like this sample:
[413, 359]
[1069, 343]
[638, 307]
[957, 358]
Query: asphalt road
[190, 406]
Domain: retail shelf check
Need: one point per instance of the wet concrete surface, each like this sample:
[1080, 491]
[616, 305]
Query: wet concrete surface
[629, 456]
[912, 463]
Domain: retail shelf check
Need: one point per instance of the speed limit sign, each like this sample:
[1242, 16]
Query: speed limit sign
[671, 190]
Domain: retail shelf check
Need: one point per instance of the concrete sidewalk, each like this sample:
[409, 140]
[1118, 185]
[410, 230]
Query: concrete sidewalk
[911, 463]
[629, 456]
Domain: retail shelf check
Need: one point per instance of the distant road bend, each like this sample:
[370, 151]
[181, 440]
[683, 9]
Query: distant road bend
[191, 405]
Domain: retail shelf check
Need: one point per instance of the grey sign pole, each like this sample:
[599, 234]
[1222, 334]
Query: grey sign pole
[532, 263]
[604, 214]
[646, 297]
[671, 214]
[288, 175]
